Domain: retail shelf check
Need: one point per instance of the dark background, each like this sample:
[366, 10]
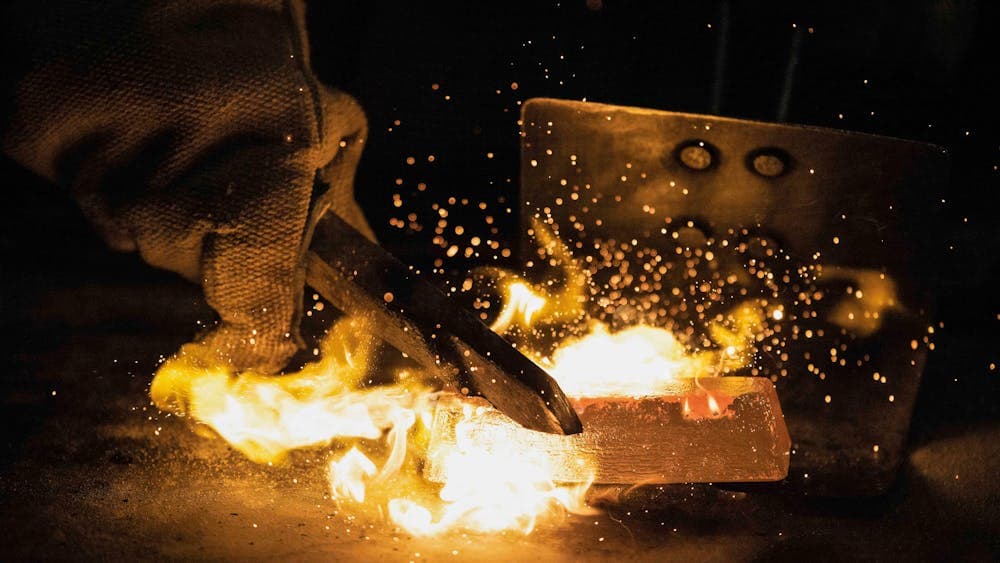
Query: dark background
[930, 67]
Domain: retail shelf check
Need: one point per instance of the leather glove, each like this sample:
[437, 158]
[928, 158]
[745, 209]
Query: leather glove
[193, 132]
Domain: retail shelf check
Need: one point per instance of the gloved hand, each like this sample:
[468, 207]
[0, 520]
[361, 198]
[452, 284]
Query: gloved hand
[193, 132]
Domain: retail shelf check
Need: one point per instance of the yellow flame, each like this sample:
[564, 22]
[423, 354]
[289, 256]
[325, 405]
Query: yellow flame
[559, 300]
[266, 417]
[712, 403]
[522, 303]
[635, 362]
[348, 475]
[503, 487]
[640, 360]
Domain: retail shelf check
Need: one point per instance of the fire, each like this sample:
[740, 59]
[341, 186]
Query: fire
[265, 417]
[488, 490]
[523, 303]
[635, 362]
[348, 475]
[378, 434]
[558, 301]
[325, 405]
[640, 360]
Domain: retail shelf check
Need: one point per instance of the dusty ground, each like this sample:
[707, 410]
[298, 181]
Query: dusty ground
[90, 471]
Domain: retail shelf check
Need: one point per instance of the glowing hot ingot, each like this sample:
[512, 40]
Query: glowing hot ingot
[649, 413]
[652, 425]
[676, 437]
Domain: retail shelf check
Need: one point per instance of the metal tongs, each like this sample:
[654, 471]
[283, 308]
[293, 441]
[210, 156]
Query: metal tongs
[361, 278]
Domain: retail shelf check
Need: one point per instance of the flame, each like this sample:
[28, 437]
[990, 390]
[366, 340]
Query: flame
[504, 487]
[267, 417]
[523, 303]
[348, 474]
[560, 300]
[640, 360]
[713, 404]
[635, 362]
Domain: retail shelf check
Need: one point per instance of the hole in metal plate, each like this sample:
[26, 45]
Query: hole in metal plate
[697, 155]
[769, 162]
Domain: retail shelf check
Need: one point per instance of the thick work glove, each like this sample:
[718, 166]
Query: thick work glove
[193, 132]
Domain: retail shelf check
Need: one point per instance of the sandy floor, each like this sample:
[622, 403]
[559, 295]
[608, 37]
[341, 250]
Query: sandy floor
[90, 471]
